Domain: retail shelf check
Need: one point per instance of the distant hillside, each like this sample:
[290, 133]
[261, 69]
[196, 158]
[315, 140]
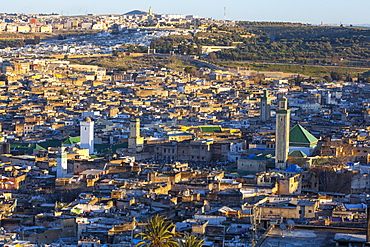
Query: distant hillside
[303, 44]
[136, 12]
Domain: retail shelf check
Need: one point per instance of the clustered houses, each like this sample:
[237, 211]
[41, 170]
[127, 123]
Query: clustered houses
[41, 23]
[88, 155]
[96, 34]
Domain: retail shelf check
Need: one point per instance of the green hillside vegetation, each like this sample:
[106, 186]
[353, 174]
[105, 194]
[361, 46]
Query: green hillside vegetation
[309, 70]
[127, 62]
[15, 39]
[19, 39]
[303, 44]
[277, 42]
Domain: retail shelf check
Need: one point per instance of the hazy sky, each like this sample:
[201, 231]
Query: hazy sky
[306, 11]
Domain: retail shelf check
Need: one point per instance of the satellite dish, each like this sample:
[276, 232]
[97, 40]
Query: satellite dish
[283, 227]
[291, 223]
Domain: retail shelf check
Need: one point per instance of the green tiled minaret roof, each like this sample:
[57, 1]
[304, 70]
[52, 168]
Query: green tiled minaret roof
[300, 135]
[71, 140]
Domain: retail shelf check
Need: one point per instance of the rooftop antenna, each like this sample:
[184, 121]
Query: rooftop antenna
[224, 13]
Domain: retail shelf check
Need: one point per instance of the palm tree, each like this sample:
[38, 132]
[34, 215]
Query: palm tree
[190, 240]
[159, 232]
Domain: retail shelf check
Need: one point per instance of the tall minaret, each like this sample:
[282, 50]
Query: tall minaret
[87, 134]
[135, 141]
[265, 107]
[282, 134]
[328, 98]
[61, 163]
[150, 11]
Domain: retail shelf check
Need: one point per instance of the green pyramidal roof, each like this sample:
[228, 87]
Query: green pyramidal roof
[298, 134]
[38, 147]
[33, 146]
[71, 140]
[297, 154]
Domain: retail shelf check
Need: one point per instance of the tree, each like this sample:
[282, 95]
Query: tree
[336, 76]
[115, 53]
[192, 71]
[191, 240]
[63, 91]
[349, 78]
[212, 56]
[37, 39]
[327, 78]
[298, 80]
[158, 233]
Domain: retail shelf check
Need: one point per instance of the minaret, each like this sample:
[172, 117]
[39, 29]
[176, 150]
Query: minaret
[135, 142]
[328, 98]
[282, 134]
[61, 163]
[87, 134]
[150, 11]
[265, 107]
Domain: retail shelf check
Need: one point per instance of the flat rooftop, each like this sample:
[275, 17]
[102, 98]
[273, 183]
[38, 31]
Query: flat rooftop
[309, 237]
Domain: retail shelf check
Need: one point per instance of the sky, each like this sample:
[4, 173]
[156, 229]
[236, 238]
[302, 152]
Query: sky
[307, 11]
